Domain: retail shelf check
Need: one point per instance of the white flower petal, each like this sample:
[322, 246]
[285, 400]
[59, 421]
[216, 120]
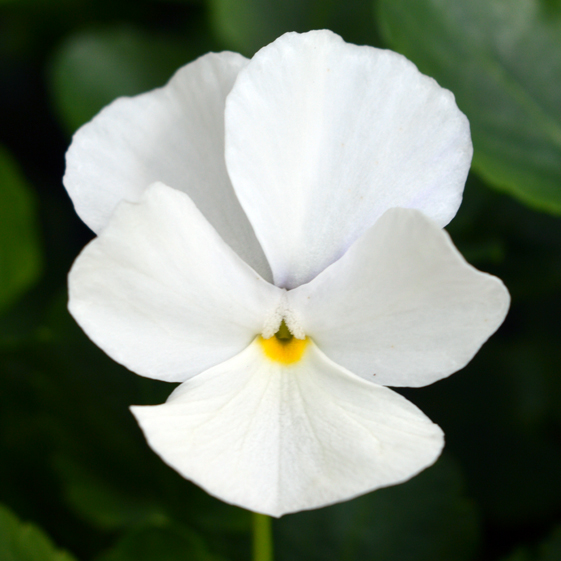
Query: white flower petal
[401, 307]
[160, 292]
[277, 438]
[173, 134]
[322, 137]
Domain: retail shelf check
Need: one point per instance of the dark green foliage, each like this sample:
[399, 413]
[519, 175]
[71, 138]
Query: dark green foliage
[431, 510]
[20, 249]
[74, 462]
[21, 541]
[502, 60]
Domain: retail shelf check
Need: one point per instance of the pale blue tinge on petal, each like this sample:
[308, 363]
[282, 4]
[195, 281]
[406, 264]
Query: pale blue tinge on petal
[322, 137]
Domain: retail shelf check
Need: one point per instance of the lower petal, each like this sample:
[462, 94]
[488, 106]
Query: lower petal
[277, 436]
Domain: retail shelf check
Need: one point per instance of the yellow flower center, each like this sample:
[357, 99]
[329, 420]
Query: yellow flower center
[283, 347]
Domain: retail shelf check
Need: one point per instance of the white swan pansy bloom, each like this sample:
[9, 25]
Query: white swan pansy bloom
[270, 235]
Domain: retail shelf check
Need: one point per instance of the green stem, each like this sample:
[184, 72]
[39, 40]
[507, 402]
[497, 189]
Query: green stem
[262, 538]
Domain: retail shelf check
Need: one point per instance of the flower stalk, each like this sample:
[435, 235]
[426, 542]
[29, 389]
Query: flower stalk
[262, 538]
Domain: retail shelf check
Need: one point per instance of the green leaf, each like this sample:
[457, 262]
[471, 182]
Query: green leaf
[21, 541]
[248, 25]
[548, 550]
[502, 60]
[495, 415]
[92, 68]
[521, 554]
[426, 519]
[104, 505]
[165, 543]
[20, 255]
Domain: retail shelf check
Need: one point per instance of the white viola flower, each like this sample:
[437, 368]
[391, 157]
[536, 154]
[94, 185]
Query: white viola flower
[270, 236]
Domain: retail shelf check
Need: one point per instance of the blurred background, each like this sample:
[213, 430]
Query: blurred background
[78, 482]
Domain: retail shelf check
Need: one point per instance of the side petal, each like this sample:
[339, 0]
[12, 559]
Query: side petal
[173, 134]
[322, 137]
[277, 438]
[160, 292]
[402, 307]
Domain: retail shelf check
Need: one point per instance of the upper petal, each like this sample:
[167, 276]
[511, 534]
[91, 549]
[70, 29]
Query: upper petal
[401, 307]
[173, 134]
[277, 438]
[160, 292]
[322, 137]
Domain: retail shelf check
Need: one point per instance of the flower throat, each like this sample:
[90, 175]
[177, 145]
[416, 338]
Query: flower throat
[283, 347]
